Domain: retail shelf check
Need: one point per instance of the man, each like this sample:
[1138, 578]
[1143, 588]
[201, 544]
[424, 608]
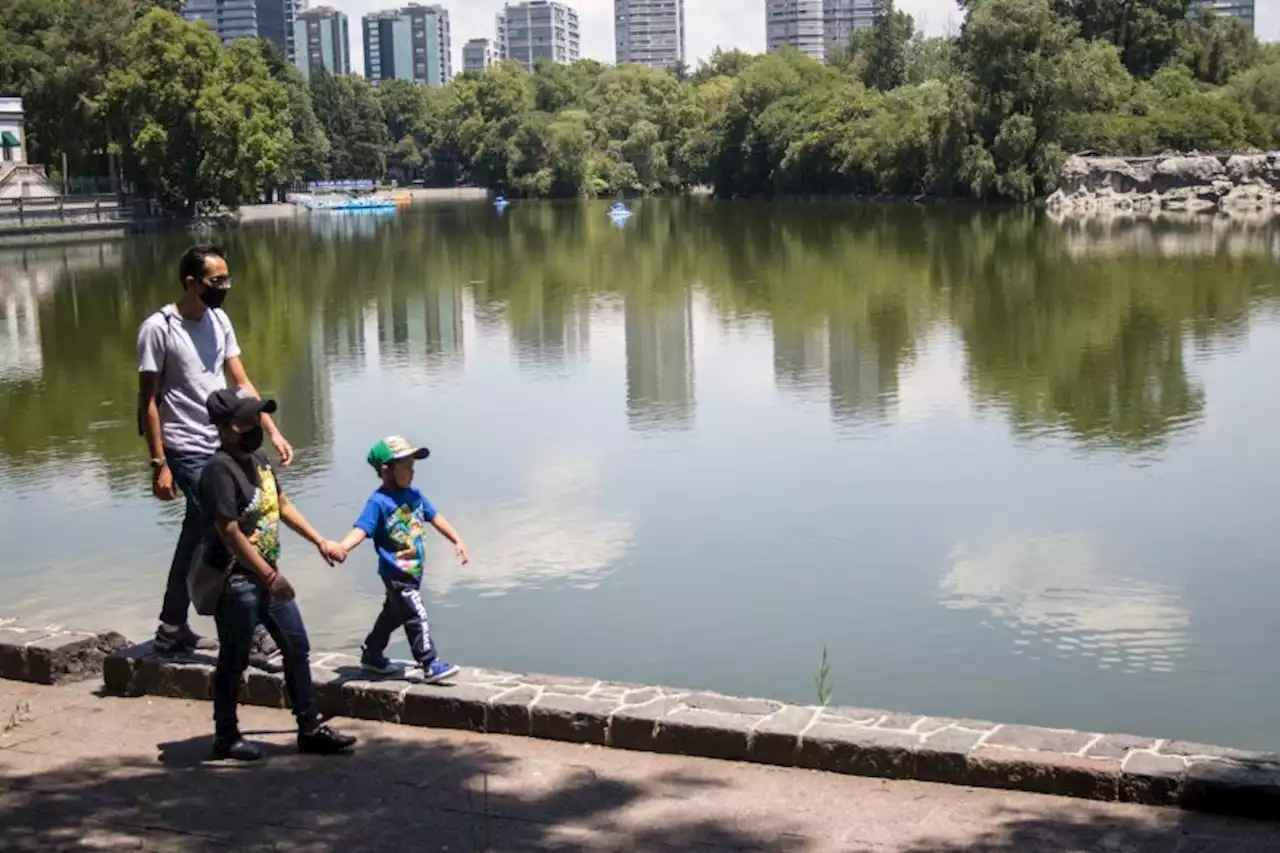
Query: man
[186, 351]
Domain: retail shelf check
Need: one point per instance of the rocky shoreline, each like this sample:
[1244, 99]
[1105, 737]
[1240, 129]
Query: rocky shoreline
[853, 741]
[1235, 184]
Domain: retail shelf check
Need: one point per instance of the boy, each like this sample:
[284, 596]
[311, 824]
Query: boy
[245, 505]
[396, 518]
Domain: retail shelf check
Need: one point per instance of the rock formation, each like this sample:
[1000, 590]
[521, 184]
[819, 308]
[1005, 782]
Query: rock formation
[1183, 183]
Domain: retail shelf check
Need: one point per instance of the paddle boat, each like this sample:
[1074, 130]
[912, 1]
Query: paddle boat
[346, 203]
[619, 212]
[500, 203]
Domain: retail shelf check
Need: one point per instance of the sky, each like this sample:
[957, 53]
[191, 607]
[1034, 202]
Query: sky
[711, 23]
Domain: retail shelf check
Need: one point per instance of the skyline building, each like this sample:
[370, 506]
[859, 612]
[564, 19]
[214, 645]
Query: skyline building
[649, 32]
[322, 39]
[538, 29]
[798, 23]
[413, 43]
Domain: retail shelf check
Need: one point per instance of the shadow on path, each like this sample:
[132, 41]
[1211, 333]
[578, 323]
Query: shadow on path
[389, 794]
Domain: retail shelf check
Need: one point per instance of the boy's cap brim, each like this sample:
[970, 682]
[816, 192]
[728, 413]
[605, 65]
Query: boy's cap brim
[393, 448]
[231, 405]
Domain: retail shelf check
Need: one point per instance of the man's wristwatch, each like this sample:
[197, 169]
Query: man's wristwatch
[158, 463]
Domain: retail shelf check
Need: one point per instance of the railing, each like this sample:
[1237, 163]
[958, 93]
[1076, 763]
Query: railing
[62, 209]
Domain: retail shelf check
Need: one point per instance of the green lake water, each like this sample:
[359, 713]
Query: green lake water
[999, 466]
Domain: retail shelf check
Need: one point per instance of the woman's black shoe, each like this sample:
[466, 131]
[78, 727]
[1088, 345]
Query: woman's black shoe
[236, 748]
[323, 740]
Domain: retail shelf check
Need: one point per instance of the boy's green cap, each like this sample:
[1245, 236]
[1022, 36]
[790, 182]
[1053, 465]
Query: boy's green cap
[394, 447]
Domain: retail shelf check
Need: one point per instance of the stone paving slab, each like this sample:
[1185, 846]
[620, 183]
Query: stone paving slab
[79, 771]
[852, 741]
[54, 655]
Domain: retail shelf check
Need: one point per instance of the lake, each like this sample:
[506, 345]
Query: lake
[997, 466]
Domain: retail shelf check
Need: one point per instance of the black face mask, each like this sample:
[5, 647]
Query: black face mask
[252, 440]
[213, 297]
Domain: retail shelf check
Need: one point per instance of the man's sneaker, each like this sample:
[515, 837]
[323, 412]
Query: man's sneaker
[180, 640]
[323, 740]
[235, 748]
[264, 653]
[378, 663]
[437, 671]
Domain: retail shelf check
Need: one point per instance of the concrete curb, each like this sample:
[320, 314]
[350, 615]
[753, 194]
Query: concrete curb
[855, 741]
[54, 655]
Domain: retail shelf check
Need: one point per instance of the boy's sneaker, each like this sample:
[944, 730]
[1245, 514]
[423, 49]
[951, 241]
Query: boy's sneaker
[323, 740]
[378, 663]
[179, 640]
[437, 671]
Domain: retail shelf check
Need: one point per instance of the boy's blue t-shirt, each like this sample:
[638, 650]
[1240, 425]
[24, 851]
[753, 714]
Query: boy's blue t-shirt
[397, 523]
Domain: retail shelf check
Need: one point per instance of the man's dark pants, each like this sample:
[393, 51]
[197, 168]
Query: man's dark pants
[186, 469]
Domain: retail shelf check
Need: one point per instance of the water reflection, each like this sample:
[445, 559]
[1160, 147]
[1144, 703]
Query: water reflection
[614, 414]
[801, 358]
[555, 532]
[659, 336]
[1062, 596]
[1171, 235]
[1093, 348]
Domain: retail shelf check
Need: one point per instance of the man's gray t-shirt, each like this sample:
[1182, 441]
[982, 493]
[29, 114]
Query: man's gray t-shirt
[192, 355]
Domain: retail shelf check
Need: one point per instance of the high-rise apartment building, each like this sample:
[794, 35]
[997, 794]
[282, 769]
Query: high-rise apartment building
[1242, 9]
[841, 17]
[477, 55]
[798, 23]
[649, 32]
[321, 40]
[235, 19]
[538, 29]
[412, 43]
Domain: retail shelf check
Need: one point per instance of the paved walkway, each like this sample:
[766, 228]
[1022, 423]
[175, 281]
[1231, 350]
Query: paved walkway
[82, 772]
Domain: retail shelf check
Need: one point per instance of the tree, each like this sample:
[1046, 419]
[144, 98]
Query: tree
[1146, 32]
[200, 123]
[1216, 48]
[367, 144]
[406, 112]
[307, 157]
[57, 55]
[1258, 90]
[886, 47]
[1019, 89]
[353, 122]
[723, 63]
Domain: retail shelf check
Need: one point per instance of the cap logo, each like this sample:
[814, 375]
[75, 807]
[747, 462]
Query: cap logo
[398, 445]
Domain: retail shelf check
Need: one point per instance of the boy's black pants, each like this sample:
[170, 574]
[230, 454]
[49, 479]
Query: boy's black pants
[403, 608]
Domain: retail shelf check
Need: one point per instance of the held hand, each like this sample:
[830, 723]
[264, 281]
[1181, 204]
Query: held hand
[283, 448]
[280, 588]
[332, 552]
[460, 548]
[162, 484]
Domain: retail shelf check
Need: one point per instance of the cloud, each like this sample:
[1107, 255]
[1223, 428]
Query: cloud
[1059, 590]
[557, 534]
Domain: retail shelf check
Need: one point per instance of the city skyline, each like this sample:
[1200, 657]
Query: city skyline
[727, 24]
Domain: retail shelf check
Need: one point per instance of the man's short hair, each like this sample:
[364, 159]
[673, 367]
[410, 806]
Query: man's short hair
[192, 263]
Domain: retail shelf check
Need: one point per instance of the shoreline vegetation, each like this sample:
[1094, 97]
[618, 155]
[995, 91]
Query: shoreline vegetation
[133, 95]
